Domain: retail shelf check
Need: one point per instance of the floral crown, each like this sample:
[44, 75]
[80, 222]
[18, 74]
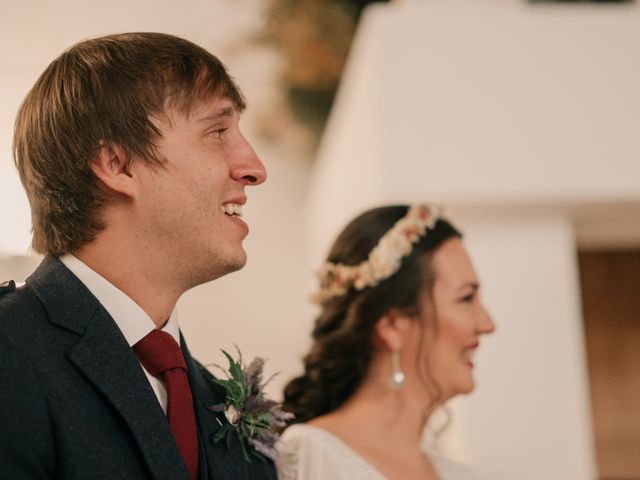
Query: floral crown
[383, 261]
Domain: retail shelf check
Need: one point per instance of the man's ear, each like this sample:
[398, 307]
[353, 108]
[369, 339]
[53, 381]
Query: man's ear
[110, 165]
[392, 329]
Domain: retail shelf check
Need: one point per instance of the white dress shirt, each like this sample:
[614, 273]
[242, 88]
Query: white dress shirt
[132, 320]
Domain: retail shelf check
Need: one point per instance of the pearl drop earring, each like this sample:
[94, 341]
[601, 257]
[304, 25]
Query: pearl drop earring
[397, 376]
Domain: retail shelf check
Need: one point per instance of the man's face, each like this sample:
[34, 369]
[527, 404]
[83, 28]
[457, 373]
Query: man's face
[191, 209]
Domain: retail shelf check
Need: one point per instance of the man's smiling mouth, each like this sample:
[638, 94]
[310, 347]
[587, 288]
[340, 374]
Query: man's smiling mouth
[232, 209]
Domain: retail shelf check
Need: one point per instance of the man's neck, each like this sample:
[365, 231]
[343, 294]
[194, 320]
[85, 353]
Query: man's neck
[139, 279]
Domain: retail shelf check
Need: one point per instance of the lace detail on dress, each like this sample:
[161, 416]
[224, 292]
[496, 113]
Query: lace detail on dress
[310, 453]
[287, 460]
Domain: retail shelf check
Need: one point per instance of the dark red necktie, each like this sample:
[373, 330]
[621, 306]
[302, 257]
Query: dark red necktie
[162, 357]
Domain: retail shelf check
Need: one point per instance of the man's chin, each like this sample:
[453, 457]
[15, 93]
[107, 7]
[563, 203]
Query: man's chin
[233, 263]
[215, 268]
[239, 264]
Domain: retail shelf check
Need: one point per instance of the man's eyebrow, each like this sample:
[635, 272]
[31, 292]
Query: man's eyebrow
[218, 114]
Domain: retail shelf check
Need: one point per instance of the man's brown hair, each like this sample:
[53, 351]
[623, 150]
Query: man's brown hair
[102, 91]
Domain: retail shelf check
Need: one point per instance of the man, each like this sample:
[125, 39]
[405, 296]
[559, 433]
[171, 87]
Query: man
[131, 155]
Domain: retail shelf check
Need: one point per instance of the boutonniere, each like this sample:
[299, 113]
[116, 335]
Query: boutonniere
[255, 419]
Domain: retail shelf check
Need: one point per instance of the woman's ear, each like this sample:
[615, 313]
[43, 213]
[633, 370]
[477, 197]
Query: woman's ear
[392, 329]
[110, 164]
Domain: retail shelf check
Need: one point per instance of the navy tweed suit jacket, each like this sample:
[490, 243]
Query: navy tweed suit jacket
[74, 400]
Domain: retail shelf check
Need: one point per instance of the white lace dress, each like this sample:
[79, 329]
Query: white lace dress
[311, 453]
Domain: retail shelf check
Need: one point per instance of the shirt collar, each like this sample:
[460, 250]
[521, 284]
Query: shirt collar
[132, 320]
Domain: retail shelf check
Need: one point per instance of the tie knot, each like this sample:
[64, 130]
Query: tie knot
[159, 352]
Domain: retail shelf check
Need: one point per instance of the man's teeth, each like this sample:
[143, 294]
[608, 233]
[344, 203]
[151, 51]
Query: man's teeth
[232, 209]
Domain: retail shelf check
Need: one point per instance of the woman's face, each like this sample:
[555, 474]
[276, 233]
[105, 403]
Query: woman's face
[460, 320]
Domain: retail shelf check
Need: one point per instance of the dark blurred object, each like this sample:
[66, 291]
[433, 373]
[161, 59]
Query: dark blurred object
[314, 37]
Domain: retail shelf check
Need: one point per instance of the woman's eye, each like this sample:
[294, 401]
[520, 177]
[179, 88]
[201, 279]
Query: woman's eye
[468, 298]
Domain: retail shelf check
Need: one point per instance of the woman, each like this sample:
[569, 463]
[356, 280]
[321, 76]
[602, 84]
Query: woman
[400, 322]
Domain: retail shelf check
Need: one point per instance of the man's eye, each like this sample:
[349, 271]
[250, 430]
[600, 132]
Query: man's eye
[217, 134]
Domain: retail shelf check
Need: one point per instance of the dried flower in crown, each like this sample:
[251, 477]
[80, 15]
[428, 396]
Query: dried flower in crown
[336, 279]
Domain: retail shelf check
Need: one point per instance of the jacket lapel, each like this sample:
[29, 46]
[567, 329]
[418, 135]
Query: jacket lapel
[107, 361]
[104, 357]
[208, 421]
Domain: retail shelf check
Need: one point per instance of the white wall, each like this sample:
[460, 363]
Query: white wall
[545, 96]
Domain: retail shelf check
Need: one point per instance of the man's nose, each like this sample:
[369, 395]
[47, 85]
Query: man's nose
[248, 168]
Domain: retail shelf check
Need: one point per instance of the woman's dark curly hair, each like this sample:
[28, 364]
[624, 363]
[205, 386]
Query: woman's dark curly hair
[343, 338]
